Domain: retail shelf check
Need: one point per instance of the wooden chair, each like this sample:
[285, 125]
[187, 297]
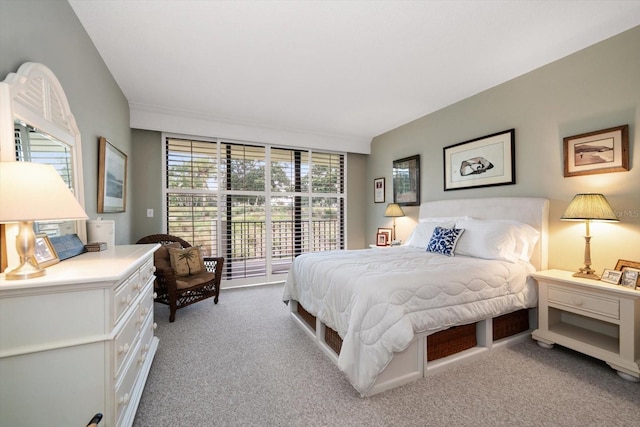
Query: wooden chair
[178, 291]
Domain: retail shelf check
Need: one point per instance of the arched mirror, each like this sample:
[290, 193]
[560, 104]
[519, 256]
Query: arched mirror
[36, 125]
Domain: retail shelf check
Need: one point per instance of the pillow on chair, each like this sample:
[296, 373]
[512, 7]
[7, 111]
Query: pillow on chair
[186, 262]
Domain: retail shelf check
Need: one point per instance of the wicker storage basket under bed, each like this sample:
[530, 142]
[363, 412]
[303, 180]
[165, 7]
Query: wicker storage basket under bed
[510, 324]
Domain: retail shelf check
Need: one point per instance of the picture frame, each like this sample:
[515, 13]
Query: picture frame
[406, 181]
[44, 253]
[481, 162]
[601, 151]
[378, 190]
[387, 233]
[630, 278]
[112, 178]
[611, 276]
[623, 264]
[381, 239]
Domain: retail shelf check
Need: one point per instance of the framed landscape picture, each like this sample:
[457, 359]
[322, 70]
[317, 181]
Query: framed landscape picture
[481, 162]
[601, 151]
[112, 178]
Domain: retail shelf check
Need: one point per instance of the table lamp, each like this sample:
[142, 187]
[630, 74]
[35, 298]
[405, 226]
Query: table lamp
[588, 207]
[33, 192]
[393, 210]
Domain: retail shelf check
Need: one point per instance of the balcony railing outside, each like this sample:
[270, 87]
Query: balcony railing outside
[244, 243]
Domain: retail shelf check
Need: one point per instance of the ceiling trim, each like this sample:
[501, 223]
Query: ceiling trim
[194, 124]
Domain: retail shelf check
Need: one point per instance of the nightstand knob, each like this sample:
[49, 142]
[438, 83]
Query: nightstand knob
[578, 301]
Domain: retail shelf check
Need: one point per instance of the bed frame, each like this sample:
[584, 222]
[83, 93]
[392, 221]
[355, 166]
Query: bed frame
[428, 354]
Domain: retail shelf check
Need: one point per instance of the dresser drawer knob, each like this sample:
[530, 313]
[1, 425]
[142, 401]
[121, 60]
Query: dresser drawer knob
[124, 399]
[155, 326]
[578, 301]
[124, 348]
[127, 300]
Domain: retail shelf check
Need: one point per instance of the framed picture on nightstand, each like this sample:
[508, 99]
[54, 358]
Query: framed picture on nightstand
[630, 278]
[611, 276]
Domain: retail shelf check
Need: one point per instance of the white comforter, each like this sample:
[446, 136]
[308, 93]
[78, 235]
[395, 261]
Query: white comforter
[377, 299]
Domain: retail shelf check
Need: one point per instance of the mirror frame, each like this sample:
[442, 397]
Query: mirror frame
[35, 96]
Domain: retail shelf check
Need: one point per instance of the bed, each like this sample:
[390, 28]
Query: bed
[388, 316]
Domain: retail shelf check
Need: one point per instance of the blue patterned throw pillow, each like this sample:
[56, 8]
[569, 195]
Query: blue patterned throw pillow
[443, 240]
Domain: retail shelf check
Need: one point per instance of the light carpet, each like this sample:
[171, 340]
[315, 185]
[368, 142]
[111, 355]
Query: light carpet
[244, 362]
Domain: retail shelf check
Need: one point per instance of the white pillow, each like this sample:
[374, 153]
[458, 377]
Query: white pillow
[493, 239]
[423, 231]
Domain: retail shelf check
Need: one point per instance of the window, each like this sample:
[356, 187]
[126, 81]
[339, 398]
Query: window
[257, 206]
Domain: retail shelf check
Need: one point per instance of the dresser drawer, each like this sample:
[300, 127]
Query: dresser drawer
[146, 271]
[125, 294]
[145, 340]
[584, 301]
[129, 334]
[124, 388]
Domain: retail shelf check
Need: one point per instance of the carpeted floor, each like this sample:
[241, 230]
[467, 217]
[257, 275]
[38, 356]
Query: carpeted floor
[244, 362]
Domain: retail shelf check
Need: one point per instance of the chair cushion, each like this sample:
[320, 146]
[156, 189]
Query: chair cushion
[185, 282]
[187, 261]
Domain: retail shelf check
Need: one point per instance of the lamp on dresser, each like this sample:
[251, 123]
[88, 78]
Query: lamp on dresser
[33, 192]
[395, 211]
[588, 207]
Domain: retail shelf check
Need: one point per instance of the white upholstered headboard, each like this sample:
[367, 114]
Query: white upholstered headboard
[530, 210]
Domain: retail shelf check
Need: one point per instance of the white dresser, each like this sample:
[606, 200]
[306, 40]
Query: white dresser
[78, 341]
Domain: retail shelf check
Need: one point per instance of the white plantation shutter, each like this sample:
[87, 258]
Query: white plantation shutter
[257, 206]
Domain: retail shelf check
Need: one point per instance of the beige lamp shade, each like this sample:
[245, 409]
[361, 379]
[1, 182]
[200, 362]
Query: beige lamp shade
[35, 192]
[589, 206]
[393, 210]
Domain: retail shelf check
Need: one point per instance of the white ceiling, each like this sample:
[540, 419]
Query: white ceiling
[347, 69]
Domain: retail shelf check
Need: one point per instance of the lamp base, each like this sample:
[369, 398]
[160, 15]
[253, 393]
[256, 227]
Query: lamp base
[25, 271]
[586, 273]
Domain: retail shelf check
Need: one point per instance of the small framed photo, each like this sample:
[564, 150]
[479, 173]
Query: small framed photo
[624, 264]
[630, 278]
[602, 151]
[45, 253]
[611, 276]
[381, 239]
[387, 234]
[378, 190]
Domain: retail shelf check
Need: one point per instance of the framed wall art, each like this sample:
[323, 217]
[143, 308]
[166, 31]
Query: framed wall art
[378, 190]
[112, 178]
[601, 151]
[406, 181]
[482, 162]
[44, 252]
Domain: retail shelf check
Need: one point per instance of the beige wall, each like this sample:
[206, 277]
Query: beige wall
[593, 89]
[48, 32]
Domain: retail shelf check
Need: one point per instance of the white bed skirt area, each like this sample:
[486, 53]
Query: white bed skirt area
[384, 303]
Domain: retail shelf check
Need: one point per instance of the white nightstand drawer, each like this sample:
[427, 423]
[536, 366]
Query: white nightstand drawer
[584, 301]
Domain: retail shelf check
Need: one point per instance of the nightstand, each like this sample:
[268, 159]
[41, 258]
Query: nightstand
[592, 317]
